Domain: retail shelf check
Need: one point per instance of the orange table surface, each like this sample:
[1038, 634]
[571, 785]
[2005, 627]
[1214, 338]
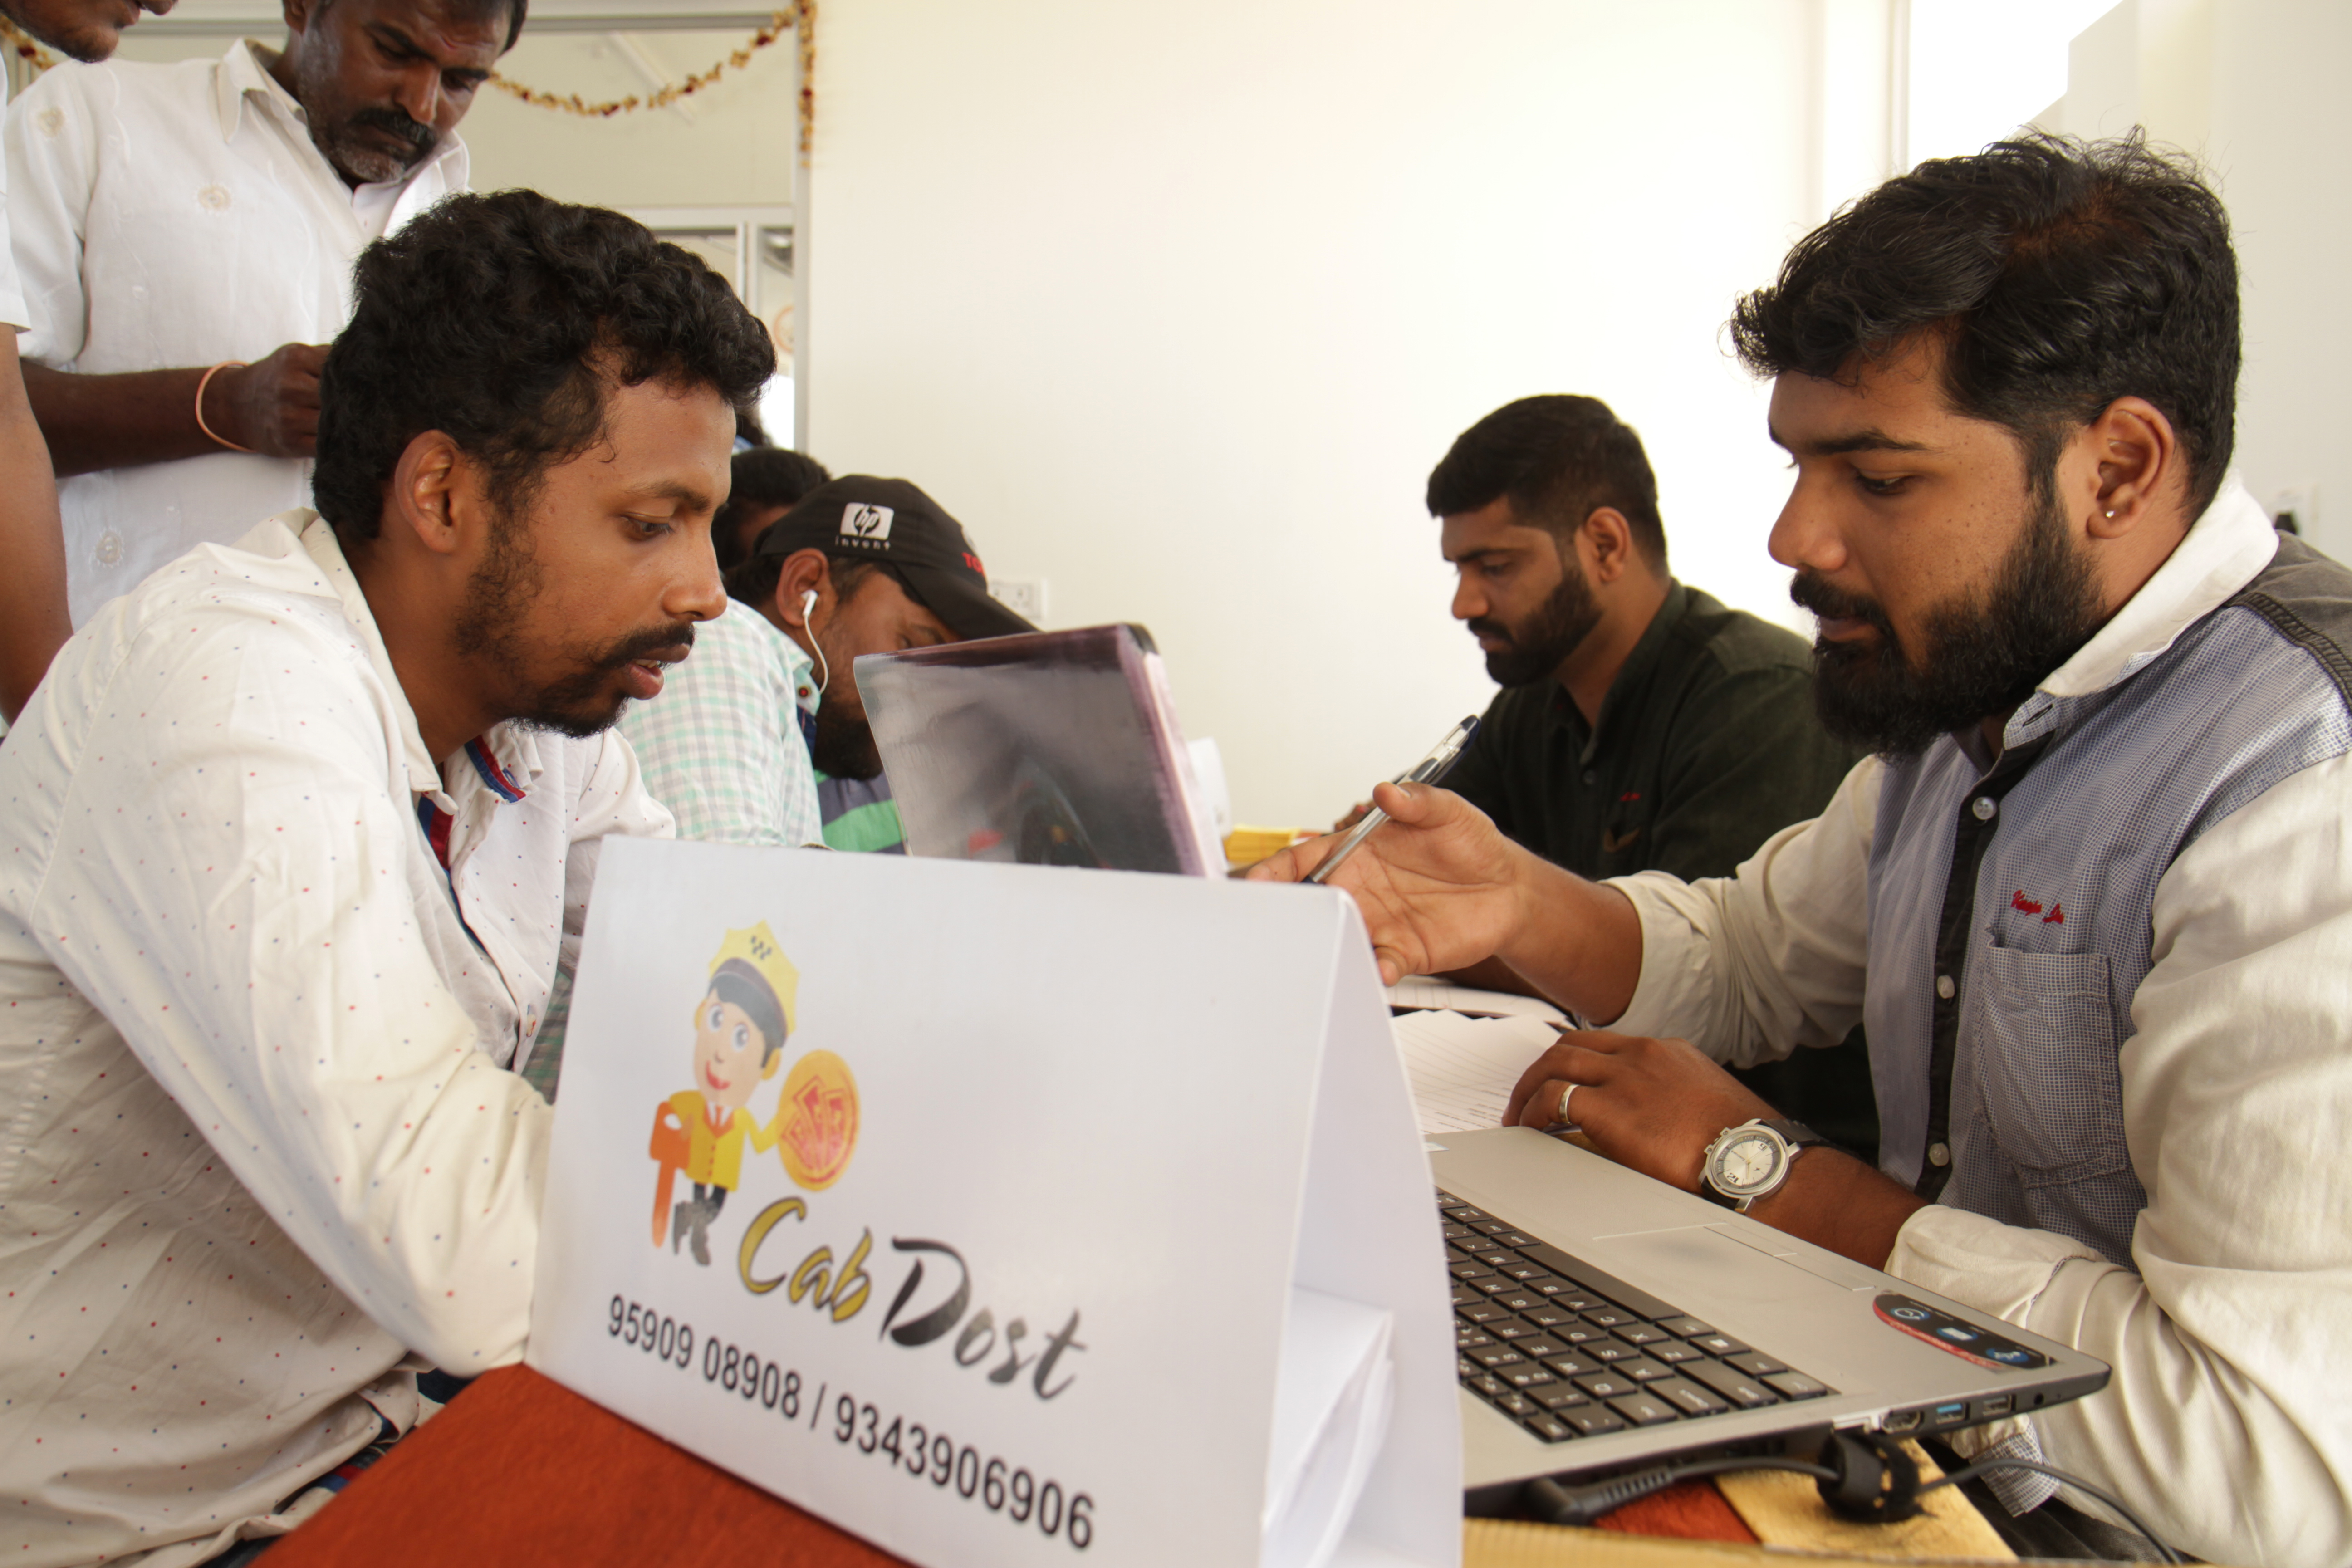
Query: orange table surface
[521, 1470]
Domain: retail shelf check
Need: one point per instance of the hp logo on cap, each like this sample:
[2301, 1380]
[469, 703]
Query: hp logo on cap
[859, 521]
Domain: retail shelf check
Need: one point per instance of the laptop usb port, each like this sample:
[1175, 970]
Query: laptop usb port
[1999, 1404]
[1951, 1414]
[1903, 1421]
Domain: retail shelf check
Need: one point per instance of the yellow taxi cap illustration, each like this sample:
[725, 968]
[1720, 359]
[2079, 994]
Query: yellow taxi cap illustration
[757, 949]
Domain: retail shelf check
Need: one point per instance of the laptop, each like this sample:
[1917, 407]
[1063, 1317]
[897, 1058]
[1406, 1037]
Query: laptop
[1605, 1321]
[1047, 748]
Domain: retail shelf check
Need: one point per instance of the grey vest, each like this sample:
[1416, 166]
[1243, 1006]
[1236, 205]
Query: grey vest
[2029, 889]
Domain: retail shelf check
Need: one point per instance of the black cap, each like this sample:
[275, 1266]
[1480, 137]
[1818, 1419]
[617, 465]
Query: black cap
[894, 524]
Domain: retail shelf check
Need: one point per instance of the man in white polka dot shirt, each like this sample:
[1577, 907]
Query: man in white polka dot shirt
[293, 842]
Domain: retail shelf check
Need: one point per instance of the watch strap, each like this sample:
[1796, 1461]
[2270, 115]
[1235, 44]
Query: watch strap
[1796, 1135]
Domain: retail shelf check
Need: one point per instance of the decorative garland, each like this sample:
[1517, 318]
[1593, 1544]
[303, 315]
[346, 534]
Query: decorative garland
[26, 46]
[798, 17]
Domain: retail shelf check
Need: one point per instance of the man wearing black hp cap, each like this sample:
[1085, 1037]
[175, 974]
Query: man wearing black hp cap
[860, 565]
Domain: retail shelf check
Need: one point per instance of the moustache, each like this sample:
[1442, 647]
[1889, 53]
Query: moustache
[1830, 602]
[1483, 628]
[647, 644]
[395, 122]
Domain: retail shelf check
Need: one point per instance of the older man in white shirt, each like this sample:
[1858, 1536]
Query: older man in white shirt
[297, 836]
[175, 221]
[33, 595]
[2093, 899]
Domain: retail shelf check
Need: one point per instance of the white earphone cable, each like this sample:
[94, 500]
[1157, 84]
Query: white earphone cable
[824, 670]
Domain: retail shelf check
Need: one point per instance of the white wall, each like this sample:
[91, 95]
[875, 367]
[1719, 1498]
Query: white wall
[2256, 87]
[1176, 308]
[736, 143]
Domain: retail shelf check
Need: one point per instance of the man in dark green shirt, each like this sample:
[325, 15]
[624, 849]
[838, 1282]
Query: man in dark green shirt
[1641, 725]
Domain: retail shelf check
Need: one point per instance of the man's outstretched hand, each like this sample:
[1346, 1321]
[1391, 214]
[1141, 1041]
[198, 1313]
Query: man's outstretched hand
[1438, 886]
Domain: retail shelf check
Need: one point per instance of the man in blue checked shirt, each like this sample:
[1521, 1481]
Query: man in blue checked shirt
[860, 565]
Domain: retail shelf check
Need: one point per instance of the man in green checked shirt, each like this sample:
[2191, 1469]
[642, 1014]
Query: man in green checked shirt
[859, 565]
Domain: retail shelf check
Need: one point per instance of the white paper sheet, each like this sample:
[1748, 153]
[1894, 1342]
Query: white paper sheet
[1422, 991]
[1462, 1069]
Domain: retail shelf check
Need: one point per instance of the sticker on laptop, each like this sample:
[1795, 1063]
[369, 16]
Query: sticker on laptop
[1948, 1334]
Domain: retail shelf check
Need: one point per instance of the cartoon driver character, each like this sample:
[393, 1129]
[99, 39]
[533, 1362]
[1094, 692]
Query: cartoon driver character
[740, 1028]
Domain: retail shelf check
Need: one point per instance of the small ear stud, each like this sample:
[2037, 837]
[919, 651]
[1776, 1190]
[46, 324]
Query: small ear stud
[2111, 517]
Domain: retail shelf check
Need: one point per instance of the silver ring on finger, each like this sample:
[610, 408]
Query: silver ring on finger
[1561, 1115]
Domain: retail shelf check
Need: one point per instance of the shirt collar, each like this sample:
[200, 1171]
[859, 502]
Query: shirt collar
[506, 757]
[245, 72]
[1629, 675]
[2222, 552]
[799, 668]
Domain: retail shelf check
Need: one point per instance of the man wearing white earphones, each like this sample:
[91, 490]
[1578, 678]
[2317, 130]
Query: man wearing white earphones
[860, 565]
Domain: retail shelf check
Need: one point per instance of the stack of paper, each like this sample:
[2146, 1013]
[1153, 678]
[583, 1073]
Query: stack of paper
[1332, 1393]
[1464, 1068]
[1422, 991]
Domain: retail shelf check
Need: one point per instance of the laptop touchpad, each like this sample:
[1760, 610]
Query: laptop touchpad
[1699, 1258]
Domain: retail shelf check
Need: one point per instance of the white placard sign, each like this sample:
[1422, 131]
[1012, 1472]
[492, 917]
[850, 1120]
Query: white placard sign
[1022, 1191]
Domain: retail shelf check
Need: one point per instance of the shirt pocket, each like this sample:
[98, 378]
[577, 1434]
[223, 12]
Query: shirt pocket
[2044, 1063]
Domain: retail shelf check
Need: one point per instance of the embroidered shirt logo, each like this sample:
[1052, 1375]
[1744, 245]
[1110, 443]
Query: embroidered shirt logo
[859, 521]
[2023, 905]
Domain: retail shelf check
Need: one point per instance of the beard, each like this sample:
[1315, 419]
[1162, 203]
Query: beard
[90, 45]
[360, 157]
[489, 630]
[841, 744]
[1982, 653]
[73, 27]
[1539, 644]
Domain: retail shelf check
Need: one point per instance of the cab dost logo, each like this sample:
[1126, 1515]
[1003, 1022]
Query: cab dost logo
[740, 1025]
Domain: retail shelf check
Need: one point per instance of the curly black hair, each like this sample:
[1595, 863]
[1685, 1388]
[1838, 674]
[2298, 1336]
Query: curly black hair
[764, 477]
[499, 319]
[2061, 274]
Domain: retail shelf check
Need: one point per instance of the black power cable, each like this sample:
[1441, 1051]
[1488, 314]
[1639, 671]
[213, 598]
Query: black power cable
[2163, 1552]
[1872, 1479]
[1557, 1503]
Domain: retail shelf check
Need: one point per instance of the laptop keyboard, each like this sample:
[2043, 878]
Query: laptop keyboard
[1568, 1351]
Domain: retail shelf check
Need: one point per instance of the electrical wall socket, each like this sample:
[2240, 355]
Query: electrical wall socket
[1025, 596]
[2303, 500]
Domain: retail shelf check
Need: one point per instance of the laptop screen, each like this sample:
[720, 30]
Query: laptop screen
[1046, 749]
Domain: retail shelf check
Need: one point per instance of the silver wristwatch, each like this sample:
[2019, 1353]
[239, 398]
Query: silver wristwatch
[1750, 1160]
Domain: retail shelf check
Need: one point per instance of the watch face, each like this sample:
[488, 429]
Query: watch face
[1749, 1162]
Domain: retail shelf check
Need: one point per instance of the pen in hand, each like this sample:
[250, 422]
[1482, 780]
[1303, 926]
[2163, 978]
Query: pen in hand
[1429, 770]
